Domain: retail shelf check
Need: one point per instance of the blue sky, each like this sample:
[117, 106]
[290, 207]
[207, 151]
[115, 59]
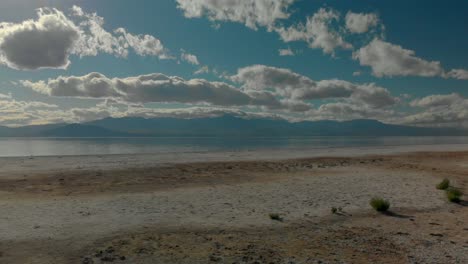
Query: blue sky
[399, 62]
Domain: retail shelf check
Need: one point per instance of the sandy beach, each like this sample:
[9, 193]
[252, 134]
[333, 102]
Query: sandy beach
[215, 207]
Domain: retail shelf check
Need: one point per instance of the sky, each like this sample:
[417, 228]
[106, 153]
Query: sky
[396, 61]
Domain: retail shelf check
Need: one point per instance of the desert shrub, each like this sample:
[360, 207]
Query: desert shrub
[336, 210]
[379, 204]
[443, 185]
[454, 195]
[276, 217]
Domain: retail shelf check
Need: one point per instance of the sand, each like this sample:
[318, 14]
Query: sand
[215, 207]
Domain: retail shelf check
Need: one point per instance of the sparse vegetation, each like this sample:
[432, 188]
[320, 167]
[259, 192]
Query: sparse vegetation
[334, 210]
[443, 185]
[379, 204]
[276, 217]
[454, 194]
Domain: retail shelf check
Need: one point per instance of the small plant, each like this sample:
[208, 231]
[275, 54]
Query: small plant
[443, 185]
[276, 217]
[334, 210]
[379, 204]
[454, 195]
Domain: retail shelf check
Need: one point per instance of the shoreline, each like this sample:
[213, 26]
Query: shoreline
[28, 164]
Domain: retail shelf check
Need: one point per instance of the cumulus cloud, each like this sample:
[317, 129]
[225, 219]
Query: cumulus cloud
[437, 100]
[143, 45]
[49, 40]
[20, 113]
[94, 38]
[289, 92]
[386, 59]
[459, 74]
[15, 113]
[145, 88]
[202, 70]
[350, 110]
[155, 87]
[251, 13]
[298, 87]
[317, 32]
[286, 52]
[5, 96]
[361, 22]
[42, 43]
[190, 58]
[262, 87]
[441, 110]
[322, 30]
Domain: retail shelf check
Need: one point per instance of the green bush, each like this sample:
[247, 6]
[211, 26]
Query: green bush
[276, 217]
[443, 185]
[454, 195]
[379, 204]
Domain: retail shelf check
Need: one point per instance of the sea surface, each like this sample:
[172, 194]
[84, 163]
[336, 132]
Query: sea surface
[21, 147]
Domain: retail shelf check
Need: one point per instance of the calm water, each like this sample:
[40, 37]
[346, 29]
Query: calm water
[14, 147]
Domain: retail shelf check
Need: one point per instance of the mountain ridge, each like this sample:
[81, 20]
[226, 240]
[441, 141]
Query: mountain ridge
[226, 125]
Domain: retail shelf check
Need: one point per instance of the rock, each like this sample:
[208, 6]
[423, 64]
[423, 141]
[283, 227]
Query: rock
[87, 260]
[215, 258]
[108, 258]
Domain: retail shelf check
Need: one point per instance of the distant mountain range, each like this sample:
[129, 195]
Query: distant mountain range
[223, 126]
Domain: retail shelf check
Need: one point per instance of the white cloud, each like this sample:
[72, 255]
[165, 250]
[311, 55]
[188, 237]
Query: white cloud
[459, 74]
[202, 70]
[350, 101]
[144, 45]
[263, 87]
[155, 87]
[48, 41]
[95, 39]
[5, 96]
[43, 43]
[20, 113]
[190, 58]
[323, 30]
[387, 59]
[251, 13]
[437, 100]
[361, 22]
[298, 87]
[317, 32]
[440, 110]
[350, 110]
[286, 52]
[16, 113]
[143, 89]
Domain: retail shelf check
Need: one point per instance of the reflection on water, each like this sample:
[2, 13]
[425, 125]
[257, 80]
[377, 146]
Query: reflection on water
[12, 147]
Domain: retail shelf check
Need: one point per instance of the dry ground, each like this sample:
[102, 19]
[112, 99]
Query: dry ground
[218, 212]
